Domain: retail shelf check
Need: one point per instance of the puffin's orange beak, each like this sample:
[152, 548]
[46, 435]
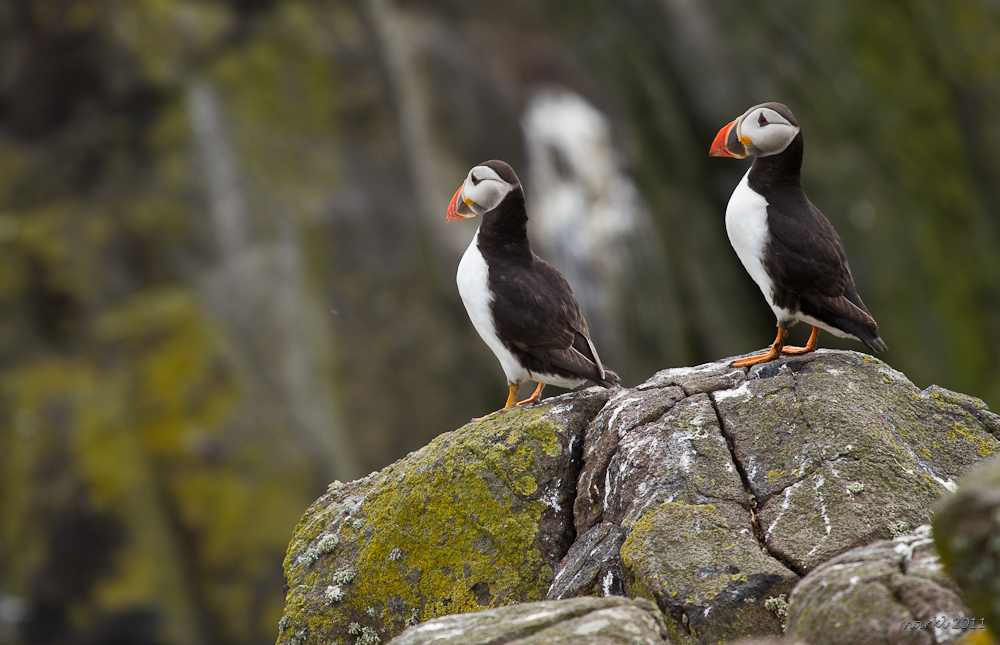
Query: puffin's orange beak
[458, 208]
[727, 143]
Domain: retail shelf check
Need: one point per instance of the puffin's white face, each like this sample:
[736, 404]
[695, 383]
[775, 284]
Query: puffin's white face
[760, 131]
[765, 132]
[482, 191]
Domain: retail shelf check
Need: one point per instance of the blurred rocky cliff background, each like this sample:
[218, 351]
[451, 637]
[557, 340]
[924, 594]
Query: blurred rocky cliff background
[226, 280]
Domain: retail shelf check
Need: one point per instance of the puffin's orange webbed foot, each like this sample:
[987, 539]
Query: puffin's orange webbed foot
[770, 355]
[534, 397]
[811, 345]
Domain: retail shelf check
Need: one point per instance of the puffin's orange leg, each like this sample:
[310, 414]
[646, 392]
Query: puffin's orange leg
[512, 397]
[511, 400]
[810, 345]
[534, 397]
[770, 355]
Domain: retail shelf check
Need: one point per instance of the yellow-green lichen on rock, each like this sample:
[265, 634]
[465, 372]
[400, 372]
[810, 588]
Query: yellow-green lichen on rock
[102, 501]
[478, 518]
[751, 479]
[847, 429]
[133, 441]
[697, 558]
[182, 391]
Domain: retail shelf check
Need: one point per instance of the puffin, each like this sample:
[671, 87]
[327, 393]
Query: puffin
[785, 243]
[522, 307]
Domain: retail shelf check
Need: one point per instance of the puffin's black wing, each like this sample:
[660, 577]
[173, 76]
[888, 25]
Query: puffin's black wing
[537, 315]
[808, 264]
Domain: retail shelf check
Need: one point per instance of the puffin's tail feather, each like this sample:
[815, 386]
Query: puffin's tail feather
[873, 341]
[611, 379]
[862, 324]
[597, 371]
[865, 333]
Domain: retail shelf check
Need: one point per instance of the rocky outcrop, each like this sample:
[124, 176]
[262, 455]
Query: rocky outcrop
[891, 591]
[710, 490]
[967, 534]
[478, 518]
[581, 621]
[730, 485]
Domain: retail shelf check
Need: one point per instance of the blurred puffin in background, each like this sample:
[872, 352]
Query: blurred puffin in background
[785, 243]
[520, 304]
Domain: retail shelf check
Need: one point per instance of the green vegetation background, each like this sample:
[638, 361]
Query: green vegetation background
[225, 279]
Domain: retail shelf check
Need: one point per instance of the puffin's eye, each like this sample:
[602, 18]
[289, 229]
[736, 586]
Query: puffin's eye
[761, 120]
[475, 180]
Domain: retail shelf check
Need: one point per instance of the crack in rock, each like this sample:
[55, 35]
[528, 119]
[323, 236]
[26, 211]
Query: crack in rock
[752, 502]
[662, 472]
[813, 468]
[709, 489]
[838, 452]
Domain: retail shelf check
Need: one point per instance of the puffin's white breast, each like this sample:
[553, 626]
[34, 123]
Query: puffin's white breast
[473, 286]
[746, 225]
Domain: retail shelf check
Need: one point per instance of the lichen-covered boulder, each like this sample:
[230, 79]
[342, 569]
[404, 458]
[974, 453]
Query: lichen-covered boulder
[839, 449]
[967, 534]
[476, 519]
[891, 591]
[702, 564]
[658, 472]
[724, 486]
[580, 621]
[709, 490]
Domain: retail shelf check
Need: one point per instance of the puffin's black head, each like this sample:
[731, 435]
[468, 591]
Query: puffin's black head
[763, 130]
[483, 190]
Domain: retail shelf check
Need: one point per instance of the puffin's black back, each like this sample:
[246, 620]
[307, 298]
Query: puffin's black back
[805, 256]
[535, 312]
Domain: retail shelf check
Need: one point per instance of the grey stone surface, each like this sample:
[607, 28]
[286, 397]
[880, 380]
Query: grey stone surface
[626, 410]
[891, 591]
[658, 467]
[592, 565]
[582, 621]
[709, 490]
[703, 566]
[967, 534]
[729, 484]
[839, 449]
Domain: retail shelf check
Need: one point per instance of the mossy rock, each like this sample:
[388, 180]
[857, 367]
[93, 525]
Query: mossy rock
[478, 518]
[708, 490]
[840, 450]
[891, 591]
[967, 534]
[702, 562]
[671, 488]
[723, 486]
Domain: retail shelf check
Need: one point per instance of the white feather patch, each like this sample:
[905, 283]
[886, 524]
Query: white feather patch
[473, 286]
[746, 225]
